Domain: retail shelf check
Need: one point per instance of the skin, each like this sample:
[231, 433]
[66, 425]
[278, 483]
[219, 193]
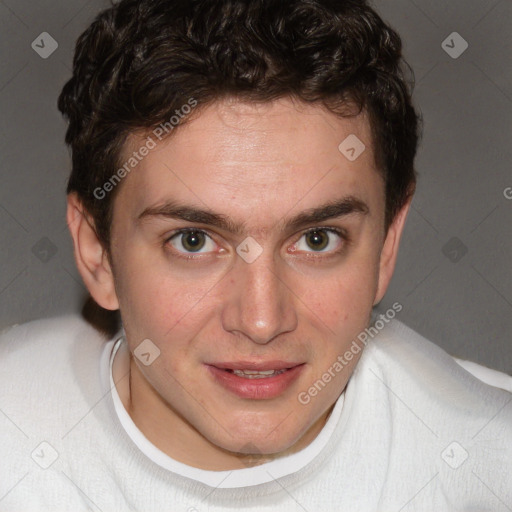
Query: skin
[259, 166]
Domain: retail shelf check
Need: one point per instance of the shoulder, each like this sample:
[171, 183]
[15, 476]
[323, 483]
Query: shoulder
[31, 343]
[50, 379]
[488, 375]
[402, 348]
[49, 367]
[430, 379]
[445, 421]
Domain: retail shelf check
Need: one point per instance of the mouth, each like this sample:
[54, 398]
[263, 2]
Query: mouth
[256, 380]
[254, 374]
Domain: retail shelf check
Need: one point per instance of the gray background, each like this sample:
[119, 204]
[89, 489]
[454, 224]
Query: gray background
[454, 271]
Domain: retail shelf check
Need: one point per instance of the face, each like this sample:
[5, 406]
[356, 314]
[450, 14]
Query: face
[246, 241]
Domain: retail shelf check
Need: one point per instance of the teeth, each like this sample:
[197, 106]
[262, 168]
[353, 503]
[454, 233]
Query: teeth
[255, 374]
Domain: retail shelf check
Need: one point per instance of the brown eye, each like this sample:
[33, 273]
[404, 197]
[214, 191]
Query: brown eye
[192, 241]
[317, 240]
[324, 240]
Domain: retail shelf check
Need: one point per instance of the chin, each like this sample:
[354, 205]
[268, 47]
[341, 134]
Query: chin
[260, 438]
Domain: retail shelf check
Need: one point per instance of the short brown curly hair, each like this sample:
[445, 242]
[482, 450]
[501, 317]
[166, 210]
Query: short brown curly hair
[140, 60]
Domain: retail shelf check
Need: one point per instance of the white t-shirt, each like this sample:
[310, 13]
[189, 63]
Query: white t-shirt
[413, 431]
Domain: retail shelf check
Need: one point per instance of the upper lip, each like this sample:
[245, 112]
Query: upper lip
[256, 366]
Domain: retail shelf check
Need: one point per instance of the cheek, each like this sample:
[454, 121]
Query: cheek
[161, 302]
[146, 298]
[345, 298]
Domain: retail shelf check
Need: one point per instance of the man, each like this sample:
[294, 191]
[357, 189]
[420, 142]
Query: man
[242, 173]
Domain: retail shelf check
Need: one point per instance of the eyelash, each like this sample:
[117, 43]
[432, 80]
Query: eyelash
[337, 231]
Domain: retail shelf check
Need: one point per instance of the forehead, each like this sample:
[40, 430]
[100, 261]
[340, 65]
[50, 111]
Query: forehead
[243, 158]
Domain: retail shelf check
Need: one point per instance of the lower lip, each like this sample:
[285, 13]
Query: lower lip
[256, 389]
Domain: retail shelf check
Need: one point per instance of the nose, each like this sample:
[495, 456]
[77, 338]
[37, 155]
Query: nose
[259, 304]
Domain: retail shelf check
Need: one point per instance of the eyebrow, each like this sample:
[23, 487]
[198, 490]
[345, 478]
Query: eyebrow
[332, 210]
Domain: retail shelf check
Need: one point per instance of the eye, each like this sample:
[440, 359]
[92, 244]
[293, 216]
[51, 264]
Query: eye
[192, 241]
[319, 240]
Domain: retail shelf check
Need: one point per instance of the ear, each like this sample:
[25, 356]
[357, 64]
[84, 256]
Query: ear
[90, 255]
[389, 251]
